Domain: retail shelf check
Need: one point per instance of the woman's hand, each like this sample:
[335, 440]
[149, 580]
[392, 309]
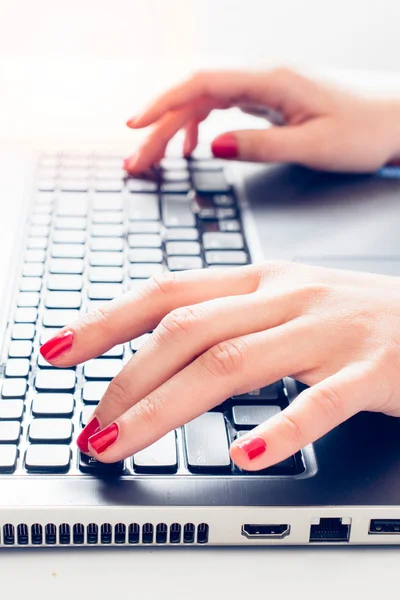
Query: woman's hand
[324, 128]
[221, 333]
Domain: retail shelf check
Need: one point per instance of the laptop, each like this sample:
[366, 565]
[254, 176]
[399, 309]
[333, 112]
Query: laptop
[75, 232]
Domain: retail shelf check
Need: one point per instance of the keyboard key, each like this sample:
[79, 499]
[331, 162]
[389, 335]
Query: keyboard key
[181, 234]
[210, 182]
[222, 241]
[269, 392]
[229, 225]
[61, 236]
[115, 352]
[175, 175]
[28, 299]
[93, 391]
[43, 458]
[57, 380]
[88, 464]
[106, 202]
[72, 205]
[205, 165]
[106, 259]
[139, 341]
[30, 284]
[14, 388]
[173, 163]
[41, 220]
[206, 443]
[101, 368]
[52, 405]
[11, 410]
[143, 270]
[144, 227]
[106, 274]
[86, 414]
[160, 457]
[144, 207]
[20, 349]
[50, 430]
[23, 331]
[226, 213]
[42, 363]
[71, 173]
[105, 291]
[46, 335]
[110, 173]
[183, 248]
[141, 185]
[181, 263]
[66, 266]
[253, 415]
[74, 185]
[17, 367]
[25, 315]
[175, 187]
[73, 223]
[68, 283]
[33, 270]
[223, 200]
[68, 251]
[142, 240]
[110, 231]
[10, 432]
[106, 244]
[109, 185]
[37, 243]
[145, 255]
[108, 216]
[59, 318]
[227, 257]
[285, 467]
[63, 300]
[177, 211]
[39, 231]
[8, 458]
[35, 256]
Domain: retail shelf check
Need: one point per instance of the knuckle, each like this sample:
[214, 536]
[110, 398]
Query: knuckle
[291, 429]
[225, 359]
[315, 293]
[149, 410]
[328, 402]
[283, 73]
[179, 321]
[164, 284]
[199, 78]
[117, 393]
[276, 268]
[100, 317]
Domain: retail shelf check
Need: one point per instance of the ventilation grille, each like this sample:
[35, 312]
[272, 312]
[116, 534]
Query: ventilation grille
[102, 534]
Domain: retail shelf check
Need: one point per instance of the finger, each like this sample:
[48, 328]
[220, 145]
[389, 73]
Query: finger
[191, 137]
[276, 144]
[187, 333]
[231, 367]
[138, 312]
[315, 411]
[229, 88]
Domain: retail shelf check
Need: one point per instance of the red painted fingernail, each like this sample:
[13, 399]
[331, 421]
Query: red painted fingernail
[253, 447]
[58, 345]
[225, 146]
[91, 428]
[104, 439]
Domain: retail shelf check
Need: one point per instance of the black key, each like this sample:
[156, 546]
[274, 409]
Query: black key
[141, 185]
[222, 241]
[106, 202]
[88, 464]
[30, 284]
[252, 415]
[68, 266]
[108, 216]
[28, 299]
[206, 443]
[25, 315]
[177, 211]
[23, 331]
[269, 392]
[59, 318]
[8, 458]
[106, 259]
[144, 240]
[108, 231]
[14, 388]
[63, 300]
[183, 248]
[71, 223]
[11, 410]
[100, 368]
[208, 214]
[160, 457]
[144, 207]
[58, 431]
[86, 414]
[181, 263]
[184, 234]
[52, 405]
[144, 227]
[106, 244]
[210, 182]
[226, 213]
[57, 380]
[35, 255]
[93, 391]
[32, 270]
[72, 205]
[43, 458]
[106, 275]
[20, 349]
[285, 467]
[105, 291]
[17, 367]
[10, 432]
[144, 270]
[61, 236]
[67, 283]
[145, 255]
[226, 257]
[68, 251]
[229, 225]
[223, 200]
[109, 185]
[175, 187]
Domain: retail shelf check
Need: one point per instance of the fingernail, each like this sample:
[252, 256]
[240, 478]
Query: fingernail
[58, 345]
[253, 447]
[91, 428]
[104, 439]
[225, 146]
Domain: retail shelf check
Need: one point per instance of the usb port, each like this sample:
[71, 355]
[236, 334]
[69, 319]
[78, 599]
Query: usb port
[277, 532]
[384, 526]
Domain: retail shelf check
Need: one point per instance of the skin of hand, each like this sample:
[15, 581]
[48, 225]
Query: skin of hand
[219, 333]
[325, 128]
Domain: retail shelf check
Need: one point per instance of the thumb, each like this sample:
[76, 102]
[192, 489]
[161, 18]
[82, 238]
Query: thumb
[276, 144]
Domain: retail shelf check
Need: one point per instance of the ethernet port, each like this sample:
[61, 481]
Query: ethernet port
[330, 530]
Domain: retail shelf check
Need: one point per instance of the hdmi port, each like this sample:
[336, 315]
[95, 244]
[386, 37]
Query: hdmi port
[276, 532]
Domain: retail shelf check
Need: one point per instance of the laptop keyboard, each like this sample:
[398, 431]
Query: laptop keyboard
[93, 234]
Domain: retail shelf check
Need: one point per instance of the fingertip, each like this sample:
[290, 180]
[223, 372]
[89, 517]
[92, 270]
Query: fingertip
[91, 428]
[248, 452]
[132, 122]
[225, 146]
[58, 346]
